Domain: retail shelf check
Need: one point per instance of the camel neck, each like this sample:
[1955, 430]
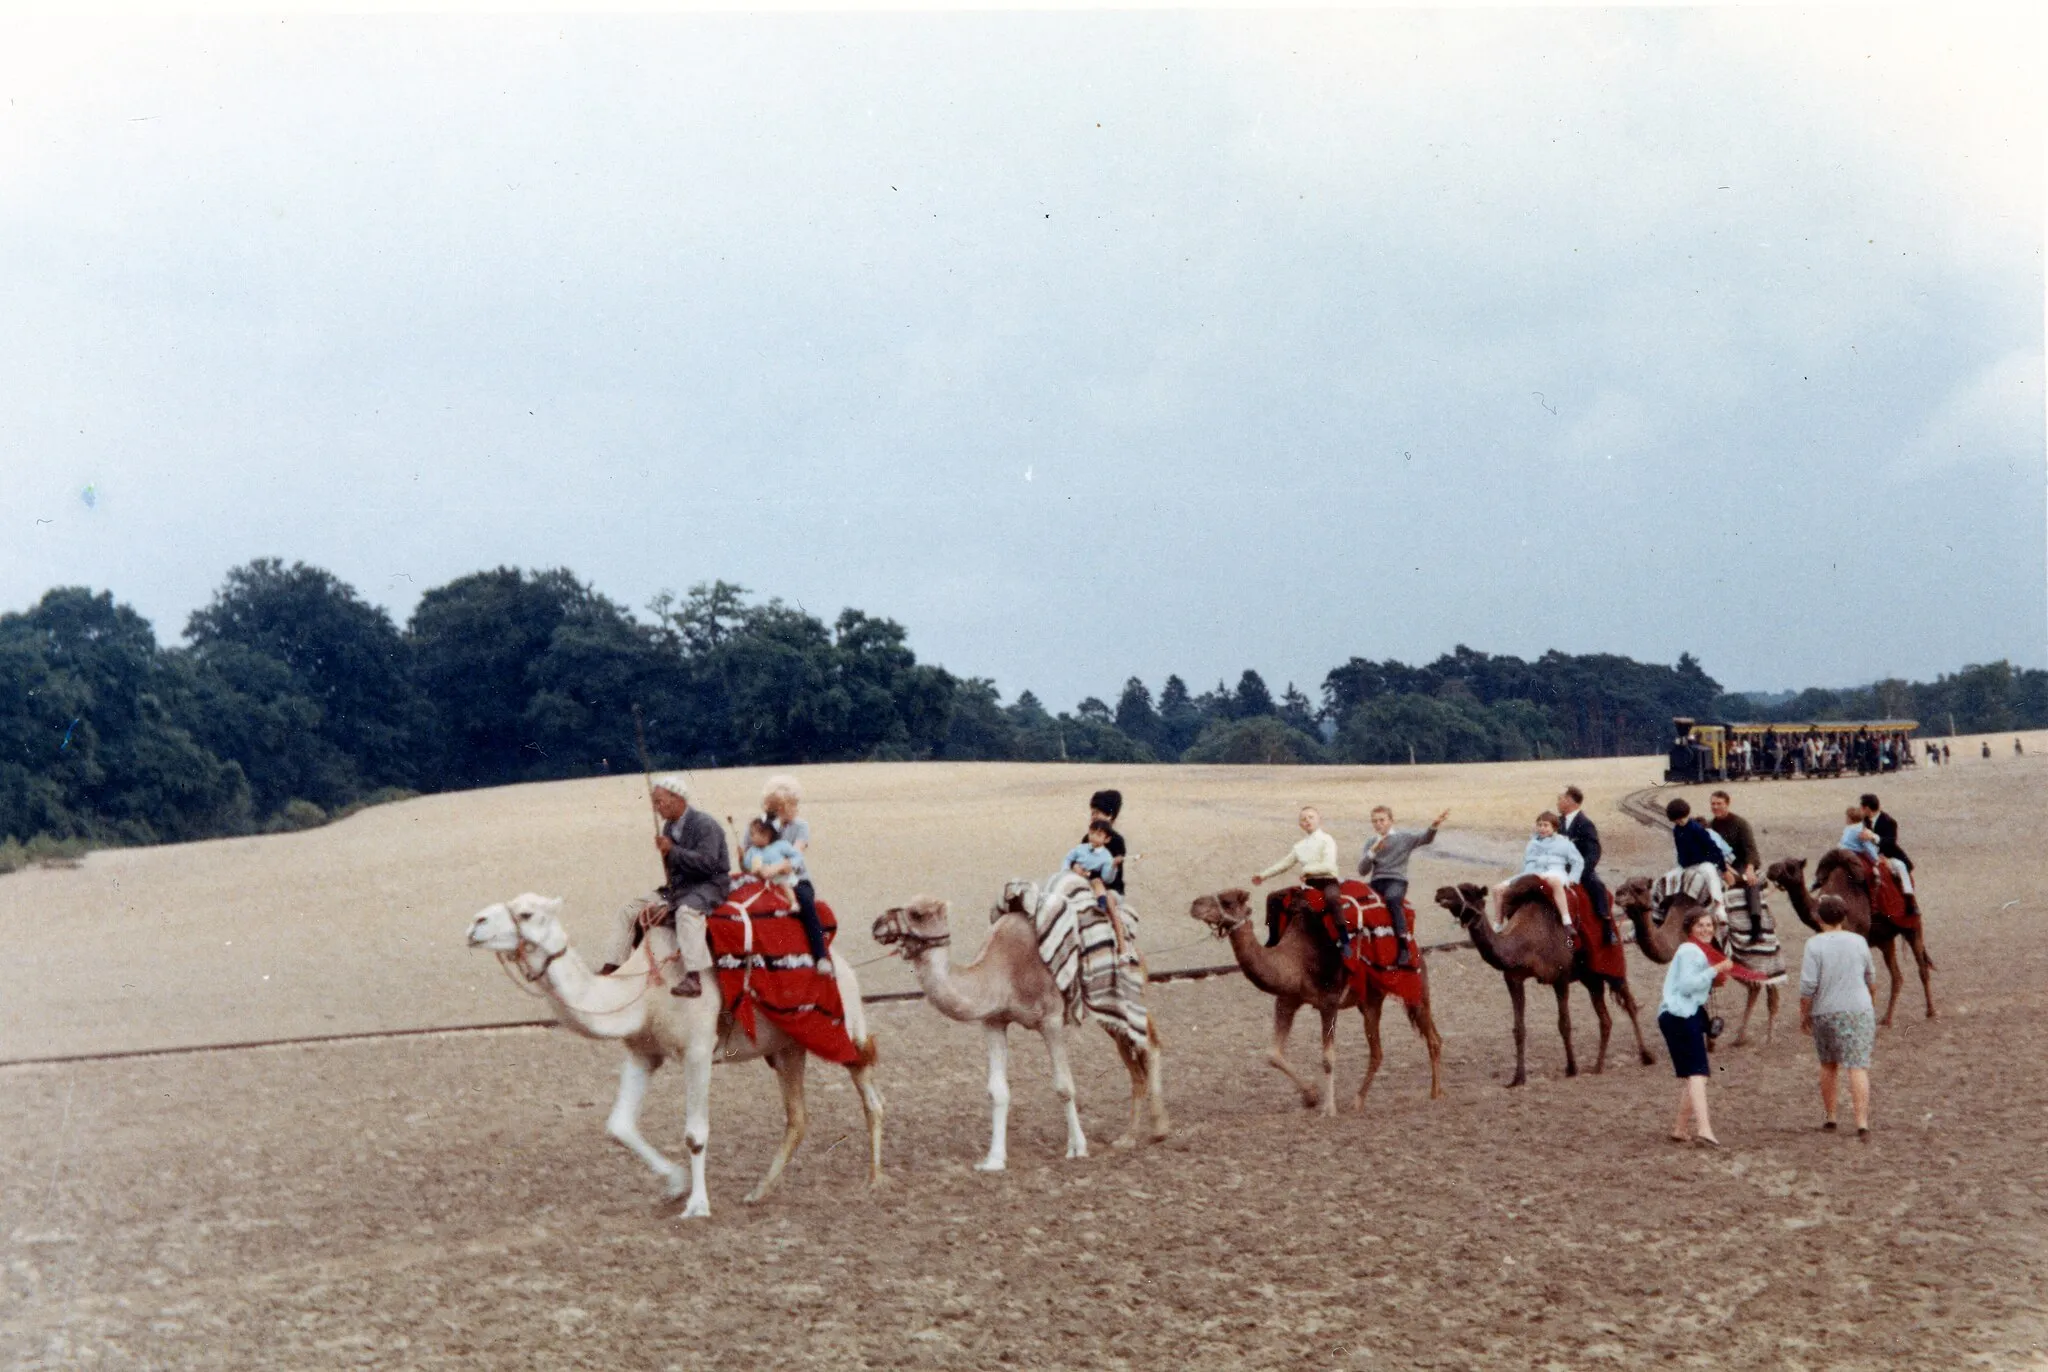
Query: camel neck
[956, 995]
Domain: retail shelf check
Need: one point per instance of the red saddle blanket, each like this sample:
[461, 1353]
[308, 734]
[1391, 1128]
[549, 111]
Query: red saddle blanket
[1887, 897]
[1604, 958]
[764, 966]
[1373, 943]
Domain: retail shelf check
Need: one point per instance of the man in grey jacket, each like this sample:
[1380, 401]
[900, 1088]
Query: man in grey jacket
[1384, 864]
[698, 867]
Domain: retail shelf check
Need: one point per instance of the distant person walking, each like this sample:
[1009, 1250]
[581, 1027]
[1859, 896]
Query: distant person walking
[1835, 977]
[1683, 1018]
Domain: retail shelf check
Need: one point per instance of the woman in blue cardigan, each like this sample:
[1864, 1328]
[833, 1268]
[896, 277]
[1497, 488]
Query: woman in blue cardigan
[1683, 1018]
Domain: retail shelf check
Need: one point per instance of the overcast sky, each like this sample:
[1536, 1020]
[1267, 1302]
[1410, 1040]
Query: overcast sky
[1082, 345]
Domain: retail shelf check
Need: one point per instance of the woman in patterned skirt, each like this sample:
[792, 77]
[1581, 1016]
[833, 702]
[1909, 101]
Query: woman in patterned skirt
[1835, 978]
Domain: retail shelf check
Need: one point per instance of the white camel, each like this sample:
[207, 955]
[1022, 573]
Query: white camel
[1008, 984]
[629, 1007]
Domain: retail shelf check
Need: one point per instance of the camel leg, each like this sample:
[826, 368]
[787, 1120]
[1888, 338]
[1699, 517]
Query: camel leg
[863, 1074]
[1055, 1032]
[1627, 1000]
[1598, 991]
[1748, 1006]
[1891, 965]
[1770, 1014]
[1517, 995]
[1137, 1064]
[1155, 1079]
[789, 1075]
[624, 1122]
[1283, 1024]
[998, 1100]
[1564, 1026]
[1425, 1025]
[1328, 1099]
[1369, 1010]
[697, 1123]
[1917, 945]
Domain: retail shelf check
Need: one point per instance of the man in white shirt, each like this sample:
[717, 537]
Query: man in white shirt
[1316, 855]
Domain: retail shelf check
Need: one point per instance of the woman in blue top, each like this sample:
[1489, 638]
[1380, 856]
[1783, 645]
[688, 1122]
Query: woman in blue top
[1683, 1018]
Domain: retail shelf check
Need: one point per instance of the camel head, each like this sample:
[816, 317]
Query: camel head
[1223, 911]
[1633, 895]
[1465, 901]
[915, 927]
[1787, 873]
[524, 919]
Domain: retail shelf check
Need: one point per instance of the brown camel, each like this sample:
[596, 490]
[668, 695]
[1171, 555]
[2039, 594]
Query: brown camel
[1838, 874]
[1659, 939]
[1530, 943]
[1008, 984]
[1304, 969]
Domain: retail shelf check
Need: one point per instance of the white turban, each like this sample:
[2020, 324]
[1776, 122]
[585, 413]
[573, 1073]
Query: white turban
[675, 783]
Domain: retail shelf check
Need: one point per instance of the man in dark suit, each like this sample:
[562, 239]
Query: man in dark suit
[1578, 826]
[1887, 830]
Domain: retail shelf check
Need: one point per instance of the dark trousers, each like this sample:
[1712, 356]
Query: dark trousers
[1393, 893]
[1603, 905]
[807, 912]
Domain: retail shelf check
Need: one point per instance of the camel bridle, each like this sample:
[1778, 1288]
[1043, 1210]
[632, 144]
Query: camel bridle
[894, 928]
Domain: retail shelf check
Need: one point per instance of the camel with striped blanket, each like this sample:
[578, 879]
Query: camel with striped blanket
[1010, 983]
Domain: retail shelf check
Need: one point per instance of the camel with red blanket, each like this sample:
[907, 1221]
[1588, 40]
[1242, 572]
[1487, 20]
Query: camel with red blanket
[1530, 944]
[1878, 910]
[633, 1007]
[1303, 968]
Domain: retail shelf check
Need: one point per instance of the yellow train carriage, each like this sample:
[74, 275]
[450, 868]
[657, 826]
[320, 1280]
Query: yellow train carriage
[1718, 750]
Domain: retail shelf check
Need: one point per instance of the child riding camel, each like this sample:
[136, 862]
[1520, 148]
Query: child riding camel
[775, 860]
[1092, 860]
[1316, 855]
[1556, 859]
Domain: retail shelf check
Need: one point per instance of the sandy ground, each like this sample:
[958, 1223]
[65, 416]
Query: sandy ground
[451, 1201]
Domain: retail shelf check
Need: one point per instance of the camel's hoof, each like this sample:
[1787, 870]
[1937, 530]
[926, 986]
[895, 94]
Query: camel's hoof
[1571, 1070]
[1124, 1141]
[1073, 1153]
[989, 1165]
[696, 1210]
[1649, 1058]
[755, 1196]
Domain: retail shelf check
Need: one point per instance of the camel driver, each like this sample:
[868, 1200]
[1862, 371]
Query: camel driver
[1384, 864]
[1887, 830]
[1316, 854]
[1741, 840]
[694, 856]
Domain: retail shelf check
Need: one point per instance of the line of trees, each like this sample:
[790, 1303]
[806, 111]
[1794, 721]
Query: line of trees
[291, 699]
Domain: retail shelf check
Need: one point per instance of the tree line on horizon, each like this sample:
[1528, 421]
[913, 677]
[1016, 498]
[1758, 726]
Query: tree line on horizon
[292, 699]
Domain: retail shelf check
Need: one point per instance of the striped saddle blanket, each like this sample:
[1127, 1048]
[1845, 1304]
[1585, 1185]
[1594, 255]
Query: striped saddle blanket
[764, 966]
[1749, 937]
[1079, 949]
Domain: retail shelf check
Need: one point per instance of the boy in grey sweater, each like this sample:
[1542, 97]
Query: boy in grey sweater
[1384, 864]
